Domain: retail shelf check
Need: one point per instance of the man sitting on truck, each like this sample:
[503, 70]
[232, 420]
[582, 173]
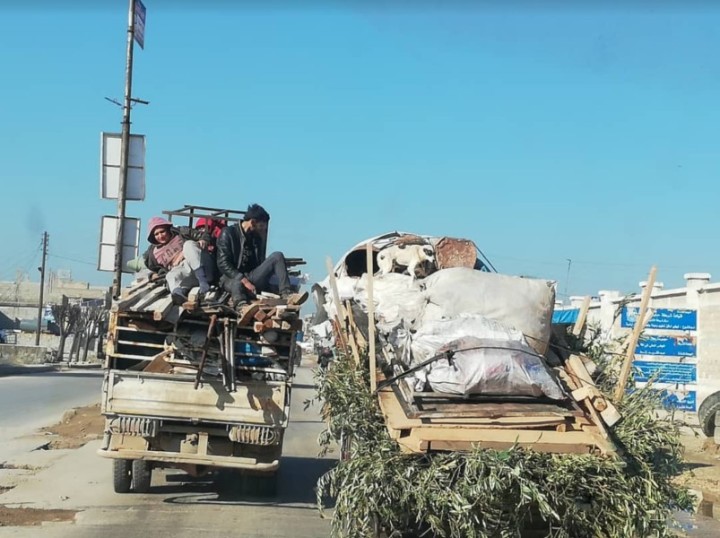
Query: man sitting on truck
[174, 252]
[245, 271]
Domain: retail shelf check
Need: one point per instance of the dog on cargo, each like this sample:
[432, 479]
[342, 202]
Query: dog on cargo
[409, 256]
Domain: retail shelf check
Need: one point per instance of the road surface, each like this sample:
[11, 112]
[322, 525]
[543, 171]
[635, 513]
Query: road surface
[177, 505]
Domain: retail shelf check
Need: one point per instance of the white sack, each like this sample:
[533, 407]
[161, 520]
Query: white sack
[493, 368]
[397, 298]
[523, 303]
[434, 334]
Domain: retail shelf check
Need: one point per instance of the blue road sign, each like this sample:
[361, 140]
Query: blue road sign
[139, 24]
[667, 346]
[665, 372]
[663, 318]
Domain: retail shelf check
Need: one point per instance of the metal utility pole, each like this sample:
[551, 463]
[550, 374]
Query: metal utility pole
[42, 289]
[124, 151]
[567, 278]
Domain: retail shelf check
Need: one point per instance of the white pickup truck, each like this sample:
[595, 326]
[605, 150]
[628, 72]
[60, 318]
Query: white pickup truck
[196, 386]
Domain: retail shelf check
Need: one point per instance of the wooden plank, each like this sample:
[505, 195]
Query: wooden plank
[506, 422]
[339, 314]
[247, 314]
[352, 333]
[132, 299]
[588, 391]
[390, 404]
[146, 303]
[582, 316]
[161, 308]
[576, 383]
[635, 336]
[419, 435]
[371, 316]
[159, 363]
[509, 437]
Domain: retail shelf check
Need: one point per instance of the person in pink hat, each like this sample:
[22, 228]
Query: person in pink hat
[179, 256]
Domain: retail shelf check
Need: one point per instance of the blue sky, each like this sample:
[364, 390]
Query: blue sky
[542, 134]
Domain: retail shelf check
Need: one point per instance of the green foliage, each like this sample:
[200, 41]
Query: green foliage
[492, 493]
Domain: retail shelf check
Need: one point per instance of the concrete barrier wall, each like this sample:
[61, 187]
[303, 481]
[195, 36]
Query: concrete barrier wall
[18, 354]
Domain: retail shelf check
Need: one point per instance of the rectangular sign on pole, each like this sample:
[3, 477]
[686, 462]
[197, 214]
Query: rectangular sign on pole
[110, 148]
[139, 24]
[108, 237]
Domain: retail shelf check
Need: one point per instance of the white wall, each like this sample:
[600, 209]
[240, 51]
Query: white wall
[699, 295]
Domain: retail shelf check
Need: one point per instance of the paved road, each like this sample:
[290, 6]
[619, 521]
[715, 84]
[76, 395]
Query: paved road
[177, 506]
[32, 400]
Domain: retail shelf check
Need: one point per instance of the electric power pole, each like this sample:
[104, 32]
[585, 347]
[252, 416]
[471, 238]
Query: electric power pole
[42, 289]
[124, 151]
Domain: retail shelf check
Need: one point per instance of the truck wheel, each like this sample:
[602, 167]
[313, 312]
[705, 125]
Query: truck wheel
[122, 475]
[706, 414]
[141, 476]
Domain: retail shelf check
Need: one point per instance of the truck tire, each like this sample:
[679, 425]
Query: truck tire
[706, 414]
[122, 475]
[141, 476]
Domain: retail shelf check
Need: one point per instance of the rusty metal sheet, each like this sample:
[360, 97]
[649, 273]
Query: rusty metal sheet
[451, 252]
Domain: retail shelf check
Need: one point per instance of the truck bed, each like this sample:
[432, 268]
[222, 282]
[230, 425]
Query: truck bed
[173, 396]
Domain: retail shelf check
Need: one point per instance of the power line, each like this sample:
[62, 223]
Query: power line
[70, 259]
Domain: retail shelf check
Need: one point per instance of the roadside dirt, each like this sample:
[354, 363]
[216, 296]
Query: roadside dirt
[702, 472]
[77, 427]
[24, 517]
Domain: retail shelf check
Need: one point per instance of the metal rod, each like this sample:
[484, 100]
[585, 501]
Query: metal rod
[42, 289]
[206, 346]
[124, 151]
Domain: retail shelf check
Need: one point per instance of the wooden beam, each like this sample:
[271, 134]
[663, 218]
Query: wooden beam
[352, 332]
[635, 336]
[161, 308]
[582, 316]
[339, 314]
[371, 316]
[148, 301]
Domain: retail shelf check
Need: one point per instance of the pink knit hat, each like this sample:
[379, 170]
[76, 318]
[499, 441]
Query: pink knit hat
[156, 222]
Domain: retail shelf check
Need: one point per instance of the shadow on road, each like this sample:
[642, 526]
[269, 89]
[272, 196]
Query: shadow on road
[65, 373]
[296, 481]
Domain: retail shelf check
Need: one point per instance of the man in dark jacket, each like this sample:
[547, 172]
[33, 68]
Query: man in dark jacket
[242, 263]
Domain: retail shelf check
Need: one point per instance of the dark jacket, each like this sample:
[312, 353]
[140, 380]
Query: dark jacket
[186, 233]
[230, 247]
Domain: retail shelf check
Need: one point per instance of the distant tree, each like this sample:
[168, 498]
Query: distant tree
[66, 316]
[93, 322]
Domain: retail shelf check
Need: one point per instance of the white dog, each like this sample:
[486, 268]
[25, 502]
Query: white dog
[409, 256]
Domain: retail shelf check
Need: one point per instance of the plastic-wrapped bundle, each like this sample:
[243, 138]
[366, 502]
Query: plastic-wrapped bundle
[482, 366]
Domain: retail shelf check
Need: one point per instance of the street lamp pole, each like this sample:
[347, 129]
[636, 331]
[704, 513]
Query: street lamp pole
[124, 152]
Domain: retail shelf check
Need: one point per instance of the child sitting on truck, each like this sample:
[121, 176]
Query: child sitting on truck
[177, 254]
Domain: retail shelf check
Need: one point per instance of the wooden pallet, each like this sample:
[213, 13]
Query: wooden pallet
[541, 427]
